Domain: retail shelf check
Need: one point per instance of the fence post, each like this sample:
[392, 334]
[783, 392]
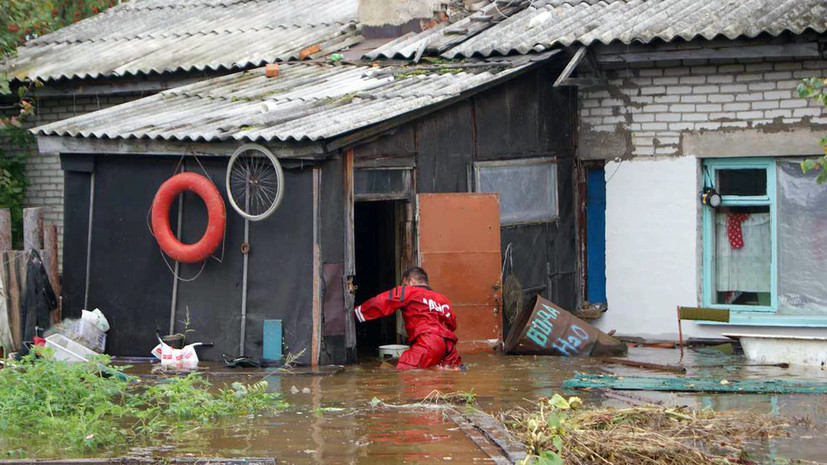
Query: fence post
[32, 228]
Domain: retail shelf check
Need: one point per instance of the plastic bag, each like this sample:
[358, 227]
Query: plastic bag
[185, 358]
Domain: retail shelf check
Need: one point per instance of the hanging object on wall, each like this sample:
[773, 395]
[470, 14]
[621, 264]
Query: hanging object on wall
[204, 188]
[255, 182]
[711, 197]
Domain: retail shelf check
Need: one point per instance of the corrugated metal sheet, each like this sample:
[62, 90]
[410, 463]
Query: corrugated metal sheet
[146, 36]
[305, 102]
[551, 22]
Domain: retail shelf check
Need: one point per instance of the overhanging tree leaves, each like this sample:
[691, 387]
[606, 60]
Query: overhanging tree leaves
[814, 88]
[21, 21]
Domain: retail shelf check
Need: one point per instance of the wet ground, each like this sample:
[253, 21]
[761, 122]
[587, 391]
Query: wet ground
[330, 419]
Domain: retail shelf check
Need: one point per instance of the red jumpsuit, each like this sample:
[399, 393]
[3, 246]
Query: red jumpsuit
[429, 321]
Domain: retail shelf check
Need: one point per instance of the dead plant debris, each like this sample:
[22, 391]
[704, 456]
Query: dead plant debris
[558, 431]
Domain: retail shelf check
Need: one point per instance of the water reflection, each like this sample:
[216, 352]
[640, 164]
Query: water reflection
[330, 419]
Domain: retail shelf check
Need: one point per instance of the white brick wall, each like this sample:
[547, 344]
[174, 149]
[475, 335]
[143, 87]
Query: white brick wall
[43, 170]
[652, 106]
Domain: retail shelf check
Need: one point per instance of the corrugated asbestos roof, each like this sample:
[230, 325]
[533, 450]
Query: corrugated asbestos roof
[156, 36]
[446, 35]
[543, 24]
[305, 102]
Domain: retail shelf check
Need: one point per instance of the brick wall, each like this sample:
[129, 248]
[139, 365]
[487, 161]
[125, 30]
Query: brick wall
[43, 169]
[645, 110]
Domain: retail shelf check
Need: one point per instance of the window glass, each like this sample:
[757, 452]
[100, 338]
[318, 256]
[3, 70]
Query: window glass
[740, 246]
[528, 191]
[743, 256]
[744, 182]
[379, 181]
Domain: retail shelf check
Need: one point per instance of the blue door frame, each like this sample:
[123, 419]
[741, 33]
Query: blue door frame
[596, 236]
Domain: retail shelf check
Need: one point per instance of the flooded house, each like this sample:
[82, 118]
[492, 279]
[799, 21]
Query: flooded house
[140, 48]
[679, 100]
[603, 126]
[381, 166]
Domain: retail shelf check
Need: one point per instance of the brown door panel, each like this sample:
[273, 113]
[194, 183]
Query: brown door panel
[459, 247]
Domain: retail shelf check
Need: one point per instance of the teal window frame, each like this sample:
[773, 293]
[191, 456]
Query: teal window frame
[710, 167]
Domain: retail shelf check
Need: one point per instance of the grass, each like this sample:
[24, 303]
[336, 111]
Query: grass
[50, 408]
[452, 398]
[558, 431]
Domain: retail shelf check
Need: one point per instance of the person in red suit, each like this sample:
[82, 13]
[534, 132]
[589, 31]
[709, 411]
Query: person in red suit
[429, 321]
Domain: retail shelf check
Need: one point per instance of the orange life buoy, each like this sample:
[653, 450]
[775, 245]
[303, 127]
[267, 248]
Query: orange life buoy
[169, 190]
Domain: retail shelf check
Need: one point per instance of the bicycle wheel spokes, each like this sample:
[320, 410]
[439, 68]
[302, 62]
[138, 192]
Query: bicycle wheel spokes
[254, 182]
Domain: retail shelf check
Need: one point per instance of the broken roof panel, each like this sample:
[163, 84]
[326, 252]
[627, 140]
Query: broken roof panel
[547, 23]
[155, 36]
[307, 101]
[445, 35]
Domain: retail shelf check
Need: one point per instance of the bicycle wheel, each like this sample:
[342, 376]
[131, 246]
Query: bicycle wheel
[255, 182]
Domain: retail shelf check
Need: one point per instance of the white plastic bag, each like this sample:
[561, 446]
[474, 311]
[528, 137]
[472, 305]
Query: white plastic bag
[96, 318]
[185, 358]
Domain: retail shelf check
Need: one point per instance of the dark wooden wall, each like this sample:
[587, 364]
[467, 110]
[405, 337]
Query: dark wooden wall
[133, 287]
[522, 118]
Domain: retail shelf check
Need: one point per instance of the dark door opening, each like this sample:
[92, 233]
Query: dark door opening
[376, 241]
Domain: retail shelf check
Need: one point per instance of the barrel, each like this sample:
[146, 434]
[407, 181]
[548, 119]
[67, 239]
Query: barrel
[547, 329]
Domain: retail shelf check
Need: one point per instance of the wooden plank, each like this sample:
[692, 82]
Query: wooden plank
[490, 449]
[350, 257]
[32, 228]
[575, 60]
[145, 460]
[58, 144]
[581, 82]
[596, 67]
[5, 229]
[798, 50]
[647, 365]
[315, 345]
[6, 339]
[14, 292]
[52, 260]
[686, 384]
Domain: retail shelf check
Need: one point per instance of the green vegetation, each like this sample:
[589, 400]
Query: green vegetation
[21, 21]
[814, 88]
[558, 430]
[456, 398]
[51, 408]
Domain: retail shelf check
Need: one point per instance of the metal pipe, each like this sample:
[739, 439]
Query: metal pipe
[244, 290]
[89, 239]
[244, 269]
[177, 269]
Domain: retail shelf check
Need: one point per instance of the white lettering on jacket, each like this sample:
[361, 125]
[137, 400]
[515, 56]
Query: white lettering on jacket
[435, 307]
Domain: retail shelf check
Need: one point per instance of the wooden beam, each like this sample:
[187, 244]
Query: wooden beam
[144, 461]
[32, 228]
[596, 69]
[10, 258]
[5, 229]
[318, 284]
[582, 82]
[350, 257]
[52, 259]
[797, 50]
[58, 144]
[575, 60]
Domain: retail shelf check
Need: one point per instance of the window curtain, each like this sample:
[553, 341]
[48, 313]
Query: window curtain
[802, 236]
[746, 269]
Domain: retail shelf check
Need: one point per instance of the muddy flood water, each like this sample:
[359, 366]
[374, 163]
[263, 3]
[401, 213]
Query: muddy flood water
[330, 419]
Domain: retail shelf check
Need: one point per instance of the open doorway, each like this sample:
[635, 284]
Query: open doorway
[377, 241]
